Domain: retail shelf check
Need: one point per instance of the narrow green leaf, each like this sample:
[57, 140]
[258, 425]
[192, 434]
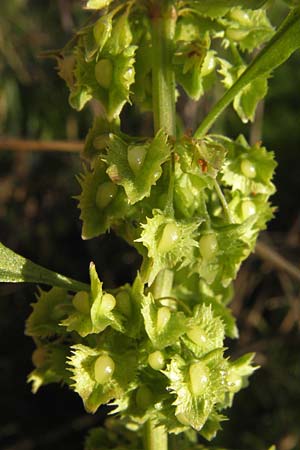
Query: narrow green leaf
[276, 52]
[15, 268]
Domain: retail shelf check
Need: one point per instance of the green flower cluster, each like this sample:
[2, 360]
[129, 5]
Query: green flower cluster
[147, 357]
[191, 207]
[160, 358]
[112, 59]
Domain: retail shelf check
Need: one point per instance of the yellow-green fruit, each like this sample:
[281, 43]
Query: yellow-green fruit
[81, 302]
[169, 237]
[235, 34]
[240, 16]
[196, 335]
[136, 156]
[208, 245]
[248, 209]
[208, 65]
[156, 360]
[199, 378]
[108, 302]
[248, 168]
[163, 317]
[124, 303]
[39, 357]
[144, 397]
[103, 369]
[105, 194]
[104, 73]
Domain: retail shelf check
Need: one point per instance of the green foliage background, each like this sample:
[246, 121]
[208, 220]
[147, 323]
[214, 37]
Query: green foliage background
[39, 219]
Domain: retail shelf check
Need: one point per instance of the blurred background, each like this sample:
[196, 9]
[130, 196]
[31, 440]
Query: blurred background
[39, 219]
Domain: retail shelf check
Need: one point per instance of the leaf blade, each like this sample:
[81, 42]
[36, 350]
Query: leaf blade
[285, 41]
[15, 268]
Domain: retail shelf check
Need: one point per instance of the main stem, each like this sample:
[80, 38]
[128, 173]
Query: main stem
[163, 17]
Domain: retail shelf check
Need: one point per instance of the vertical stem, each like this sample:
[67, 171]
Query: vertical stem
[155, 438]
[163, 16]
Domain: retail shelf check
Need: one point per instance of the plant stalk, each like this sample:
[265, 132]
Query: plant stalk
[155, 438]
[163, 18]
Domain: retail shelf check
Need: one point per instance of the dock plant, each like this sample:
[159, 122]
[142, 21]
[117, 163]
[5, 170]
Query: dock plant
[190, 202]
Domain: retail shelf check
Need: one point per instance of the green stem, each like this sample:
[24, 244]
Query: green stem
[223, 201]
[155, 438]
[163, 16]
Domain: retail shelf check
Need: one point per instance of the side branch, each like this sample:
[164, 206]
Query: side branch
[43, 146]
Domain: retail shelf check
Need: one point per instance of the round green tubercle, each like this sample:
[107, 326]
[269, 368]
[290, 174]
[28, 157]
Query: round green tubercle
[156, 360]
[144, 397]
[104, 72]
[199, 378]
[39, 357]
[236, 34]
[208, 65]
[81, 302]
[169, 237]
[104, 368]
[105, 194]
[124, 303]
[197, 336]
[248, 168]
[101, 142]
[108, 302]
[234, 382]
[248, 209]
[240, 16]
[208, 245]
[136, 156]
[163, 317]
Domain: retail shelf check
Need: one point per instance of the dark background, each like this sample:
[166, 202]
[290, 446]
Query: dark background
[39, 219]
